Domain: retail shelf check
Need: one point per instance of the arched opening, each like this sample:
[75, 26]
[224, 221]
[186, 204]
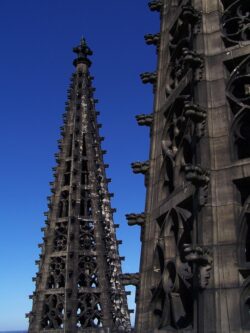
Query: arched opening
[85, 205]
[63, 206]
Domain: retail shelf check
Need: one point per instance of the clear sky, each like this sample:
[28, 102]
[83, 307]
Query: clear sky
[36, 43]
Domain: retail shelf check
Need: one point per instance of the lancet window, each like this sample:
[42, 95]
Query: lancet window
[63, 208]
[85, 206]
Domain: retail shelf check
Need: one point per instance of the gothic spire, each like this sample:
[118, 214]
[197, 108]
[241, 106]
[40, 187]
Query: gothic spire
[79, 284]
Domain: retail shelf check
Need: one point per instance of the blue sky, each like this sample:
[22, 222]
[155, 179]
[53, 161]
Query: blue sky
[37, 37]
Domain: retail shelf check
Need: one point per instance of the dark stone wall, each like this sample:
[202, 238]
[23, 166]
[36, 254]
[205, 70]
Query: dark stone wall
[195, 246]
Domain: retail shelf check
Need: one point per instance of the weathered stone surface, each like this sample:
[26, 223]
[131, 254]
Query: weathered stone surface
[195, 259]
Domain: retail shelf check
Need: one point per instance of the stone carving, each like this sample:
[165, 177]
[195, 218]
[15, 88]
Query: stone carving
[201, 257]
[149, 77]
[196, 174]
[197, 115]
[194, 112]
[130, 279]
[183, 58]
[236, 22]
[200, 178]
[53, 312]
[153, 39]
[174, 260]
[180, 66]
[144, 119]
[136, 219]
[191, 58]
[185, 124]
[140, 167]
[172, 273]
[176, 143]
[143, 168]
[155, 5]
[189, 13]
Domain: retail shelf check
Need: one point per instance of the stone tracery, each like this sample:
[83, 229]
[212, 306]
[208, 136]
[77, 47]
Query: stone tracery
[236, 22]
[238, 95]
[53, 312]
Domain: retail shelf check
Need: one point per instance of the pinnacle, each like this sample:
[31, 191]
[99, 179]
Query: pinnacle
[82, 51]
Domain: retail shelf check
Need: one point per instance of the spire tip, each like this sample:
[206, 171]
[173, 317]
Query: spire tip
[82, 51]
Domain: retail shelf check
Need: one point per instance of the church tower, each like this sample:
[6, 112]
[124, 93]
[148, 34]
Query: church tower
[78, 284]
[195, 256]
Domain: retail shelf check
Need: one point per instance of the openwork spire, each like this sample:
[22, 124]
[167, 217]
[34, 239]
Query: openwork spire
[79, 283]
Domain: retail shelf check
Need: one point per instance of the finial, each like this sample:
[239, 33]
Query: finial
[82, 51]
[156, 5]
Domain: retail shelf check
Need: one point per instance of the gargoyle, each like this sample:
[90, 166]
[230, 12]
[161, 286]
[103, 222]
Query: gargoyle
[149, 77]
[130, 279]
[136, 219]
[194, 112]
[196, 174]
[140, 167]
[151, 39]
[155, 6]
[144, 119]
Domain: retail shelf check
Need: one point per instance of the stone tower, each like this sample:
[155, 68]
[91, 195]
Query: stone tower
[78, 284]
[195, 257]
